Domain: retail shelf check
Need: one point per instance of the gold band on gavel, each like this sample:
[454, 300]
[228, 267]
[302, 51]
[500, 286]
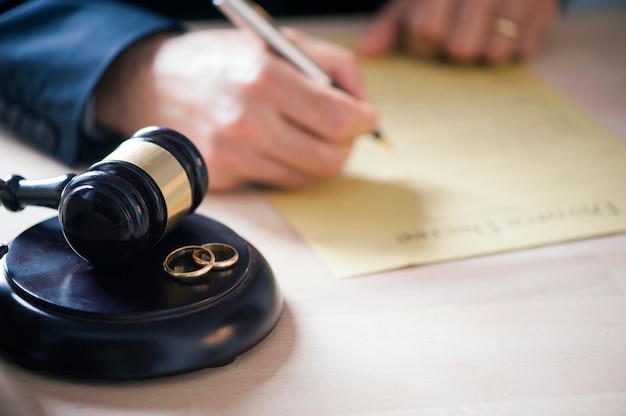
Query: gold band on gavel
[165, 170]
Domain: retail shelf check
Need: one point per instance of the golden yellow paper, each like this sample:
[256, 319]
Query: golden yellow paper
[482, 161]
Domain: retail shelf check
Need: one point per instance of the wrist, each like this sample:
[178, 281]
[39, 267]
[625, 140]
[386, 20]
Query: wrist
[122, 101]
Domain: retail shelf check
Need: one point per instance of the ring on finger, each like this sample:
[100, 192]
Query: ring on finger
[506, 27]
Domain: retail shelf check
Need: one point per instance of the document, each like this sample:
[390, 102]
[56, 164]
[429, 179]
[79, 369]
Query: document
[483, 160]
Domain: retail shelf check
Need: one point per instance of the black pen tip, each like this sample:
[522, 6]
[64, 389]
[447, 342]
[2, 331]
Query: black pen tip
[381, 139]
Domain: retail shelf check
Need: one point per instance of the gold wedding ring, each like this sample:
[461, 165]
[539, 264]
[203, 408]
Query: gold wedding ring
[225, 255]
[178, 265]
[190, 262]
[506, 27]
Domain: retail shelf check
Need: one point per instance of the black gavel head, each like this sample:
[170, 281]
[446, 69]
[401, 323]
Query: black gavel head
[129, 200]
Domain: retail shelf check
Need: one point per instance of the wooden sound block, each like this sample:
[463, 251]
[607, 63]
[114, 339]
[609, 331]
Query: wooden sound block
[61, 314]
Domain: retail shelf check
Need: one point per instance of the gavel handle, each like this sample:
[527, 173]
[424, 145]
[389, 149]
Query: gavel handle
[19, 192]
[4, 249]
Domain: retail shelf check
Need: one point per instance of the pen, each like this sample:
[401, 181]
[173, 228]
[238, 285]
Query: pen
[249, 15]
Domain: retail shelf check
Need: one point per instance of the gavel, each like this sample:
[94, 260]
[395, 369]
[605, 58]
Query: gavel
[126, 202]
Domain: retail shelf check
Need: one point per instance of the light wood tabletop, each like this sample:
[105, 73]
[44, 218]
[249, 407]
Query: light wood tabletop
[534, 332]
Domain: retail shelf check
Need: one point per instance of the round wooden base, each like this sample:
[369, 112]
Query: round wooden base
[59, 313]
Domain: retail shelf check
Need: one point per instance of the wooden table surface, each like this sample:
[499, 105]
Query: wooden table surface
[533, 332]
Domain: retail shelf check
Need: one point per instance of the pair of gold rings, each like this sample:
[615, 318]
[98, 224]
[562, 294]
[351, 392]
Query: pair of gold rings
[190, 262]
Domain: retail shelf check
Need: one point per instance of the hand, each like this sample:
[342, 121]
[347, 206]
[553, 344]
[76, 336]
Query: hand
[254, 117]
[495, 31]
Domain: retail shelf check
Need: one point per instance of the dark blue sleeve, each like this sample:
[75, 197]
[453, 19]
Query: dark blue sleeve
[52, 55]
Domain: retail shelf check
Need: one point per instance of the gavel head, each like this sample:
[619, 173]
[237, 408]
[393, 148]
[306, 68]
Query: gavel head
[129, 200]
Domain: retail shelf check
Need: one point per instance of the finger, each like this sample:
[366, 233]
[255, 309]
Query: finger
[241, 168]
[294, 165]
[383, 34]
[340, 63]
[468, 35]
[538, 27]
[510, 19]
[238, 156]
[325, 111]
[302, 151]
[427, 24]
[262, 145]
[329, 113]
[332, 114]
